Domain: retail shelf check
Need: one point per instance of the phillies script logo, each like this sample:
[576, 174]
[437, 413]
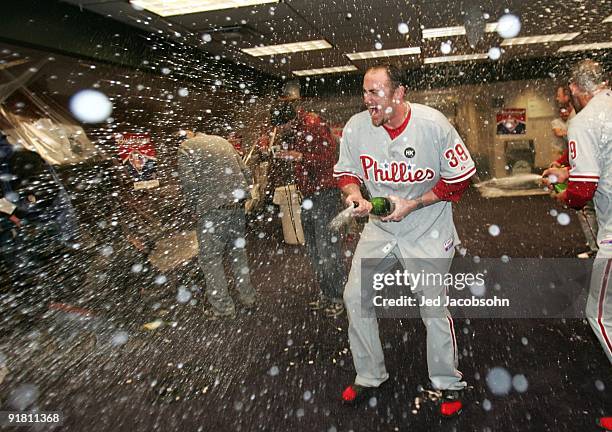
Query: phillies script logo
[394, 171]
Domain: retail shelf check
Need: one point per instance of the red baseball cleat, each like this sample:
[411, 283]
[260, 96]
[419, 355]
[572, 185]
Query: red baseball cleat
[355, 393]
[450, 409]
[605, 422]
[450, 403]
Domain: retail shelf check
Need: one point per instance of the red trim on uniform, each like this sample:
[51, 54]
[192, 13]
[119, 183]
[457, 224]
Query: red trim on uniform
[578, 193]
[579, 177]
[563, 159]
[461, 176]
[394, 133]
[346, 180]
[450, 191]
[602, 297]
[452, 329]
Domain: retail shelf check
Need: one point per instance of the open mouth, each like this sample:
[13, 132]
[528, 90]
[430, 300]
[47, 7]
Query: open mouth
[374, 110]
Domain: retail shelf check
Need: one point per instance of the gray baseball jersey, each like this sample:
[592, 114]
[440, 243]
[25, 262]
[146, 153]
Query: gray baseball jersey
[429, 149]
[590, 155]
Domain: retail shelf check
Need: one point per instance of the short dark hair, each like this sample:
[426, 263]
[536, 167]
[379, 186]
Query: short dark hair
[396, 75]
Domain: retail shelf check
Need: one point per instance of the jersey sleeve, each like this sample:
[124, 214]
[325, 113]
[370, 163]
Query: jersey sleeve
[456, 164]
[583, 153]
[348, 163]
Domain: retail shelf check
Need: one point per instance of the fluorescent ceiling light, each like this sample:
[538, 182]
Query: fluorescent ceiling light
[327, 70]
[439, 32]
[585, 47]
[455, 58]
[608, 20]
[364, 55]
[559, 37]
[287, 48]
[180, 7]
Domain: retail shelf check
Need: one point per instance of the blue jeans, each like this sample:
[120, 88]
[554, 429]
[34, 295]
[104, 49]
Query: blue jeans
[323, 245]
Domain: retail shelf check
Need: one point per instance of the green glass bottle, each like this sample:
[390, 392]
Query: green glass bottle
[381, 206]
[560, 187]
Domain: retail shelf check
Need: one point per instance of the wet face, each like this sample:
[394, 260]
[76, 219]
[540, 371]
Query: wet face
[577, 97]
[379, 98]
[563, 99]
[564, 114]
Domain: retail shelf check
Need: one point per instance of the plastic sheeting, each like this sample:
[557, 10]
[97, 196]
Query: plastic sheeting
[57, 143]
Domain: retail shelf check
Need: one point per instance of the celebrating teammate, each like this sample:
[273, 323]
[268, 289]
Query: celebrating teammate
[590, 177]
[411, 154]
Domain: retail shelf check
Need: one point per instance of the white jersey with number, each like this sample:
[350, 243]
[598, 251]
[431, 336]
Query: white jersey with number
[429, 149]
[590, 155]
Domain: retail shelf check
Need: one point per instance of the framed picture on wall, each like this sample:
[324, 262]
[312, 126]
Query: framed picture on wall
[511, 121]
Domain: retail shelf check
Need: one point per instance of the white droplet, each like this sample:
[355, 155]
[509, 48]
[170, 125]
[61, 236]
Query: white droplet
[599, 385]
[349, 15]
[161, 279]
[402, 28]
[136, 268]
[107, 251]
[508, 26]
[563, 219]
[273, 371]
[206, 37]
[499, 381]
[165, 71]
[183, 92]
[434, 234]
[478, 289]
[553, 212]
[486, 405]
[307, 204]
[378, 45]
[90, 106]
[183, 295]
[240, 243]
[238, 194]
[494, 230]
[119, 338]
[494, 53]
[524, 341]
[307, 395]
[23, 396]
[300, 413]
[446, 47]
[505, 259]
[309, 138]
[520, 383]
[373, 402]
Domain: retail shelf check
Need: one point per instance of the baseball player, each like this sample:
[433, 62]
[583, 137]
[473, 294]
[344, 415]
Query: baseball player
[411, 154]
[590, 177]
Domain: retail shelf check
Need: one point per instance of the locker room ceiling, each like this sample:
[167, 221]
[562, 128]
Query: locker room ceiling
[358, 25]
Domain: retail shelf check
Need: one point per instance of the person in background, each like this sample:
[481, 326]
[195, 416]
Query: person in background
[216, 185]
[308, 147]
[589, 177]
[586, 215]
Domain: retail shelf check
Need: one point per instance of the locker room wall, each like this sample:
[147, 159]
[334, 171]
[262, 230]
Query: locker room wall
[472, 110]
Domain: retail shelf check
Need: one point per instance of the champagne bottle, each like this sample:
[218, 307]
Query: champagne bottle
[560, 187]
[381, 206]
